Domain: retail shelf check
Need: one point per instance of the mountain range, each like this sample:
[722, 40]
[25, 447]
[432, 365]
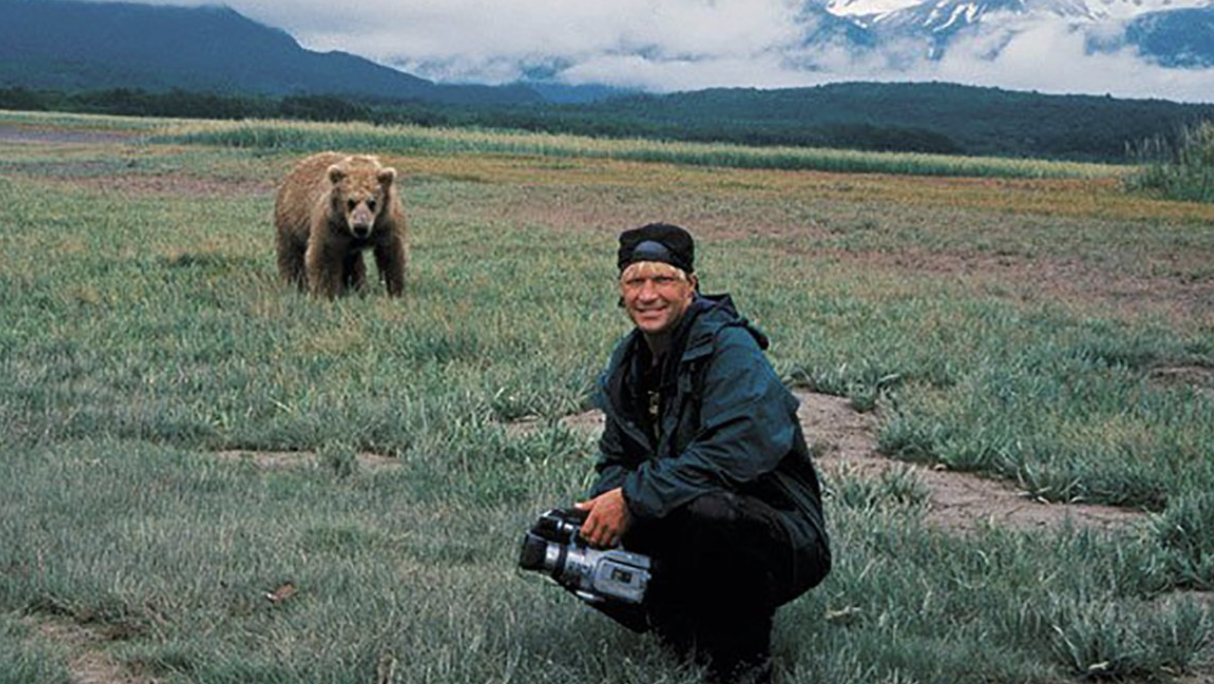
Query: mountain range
[1169, 33]
[70, 46]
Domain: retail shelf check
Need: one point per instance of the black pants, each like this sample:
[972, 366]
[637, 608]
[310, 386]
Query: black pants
[723, 563]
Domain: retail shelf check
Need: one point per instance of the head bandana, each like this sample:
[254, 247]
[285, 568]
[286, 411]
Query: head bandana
[660, 242]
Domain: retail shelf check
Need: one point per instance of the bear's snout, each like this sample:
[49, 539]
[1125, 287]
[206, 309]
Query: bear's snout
[362, 219]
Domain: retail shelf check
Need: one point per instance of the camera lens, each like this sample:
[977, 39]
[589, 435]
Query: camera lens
[531, 556]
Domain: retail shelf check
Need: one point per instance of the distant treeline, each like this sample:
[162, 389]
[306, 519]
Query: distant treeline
[929, 118]
[568, 118]
[193, 105]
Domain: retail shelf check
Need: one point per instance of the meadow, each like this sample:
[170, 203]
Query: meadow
[207, 477]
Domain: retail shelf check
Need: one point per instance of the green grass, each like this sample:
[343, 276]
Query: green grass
[177, 552]
[994, 327]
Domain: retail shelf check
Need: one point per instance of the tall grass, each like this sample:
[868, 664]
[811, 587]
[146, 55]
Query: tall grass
[1185, 533]
[1072, 416]
[304, 137]
[1180, 169]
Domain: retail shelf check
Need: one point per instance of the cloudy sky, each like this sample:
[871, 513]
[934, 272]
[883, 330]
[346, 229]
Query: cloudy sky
[666, 45]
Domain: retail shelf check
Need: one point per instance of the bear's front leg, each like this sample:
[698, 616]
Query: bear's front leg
[291, 262]
[324, 270]
[390, 258]
[354, 271]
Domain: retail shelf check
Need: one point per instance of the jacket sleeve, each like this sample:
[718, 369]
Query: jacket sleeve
[612, 465]
[746, 428]
[618, 455]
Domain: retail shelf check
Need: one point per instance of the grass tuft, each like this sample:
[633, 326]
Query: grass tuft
[1180, 168]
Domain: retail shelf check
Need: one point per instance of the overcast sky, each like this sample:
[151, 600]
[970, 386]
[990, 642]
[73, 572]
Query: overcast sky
[667, 45]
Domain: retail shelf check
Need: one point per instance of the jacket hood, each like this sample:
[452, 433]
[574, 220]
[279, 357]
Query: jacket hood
[713, 312]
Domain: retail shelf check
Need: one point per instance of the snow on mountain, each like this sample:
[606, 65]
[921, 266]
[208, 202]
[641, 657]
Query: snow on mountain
[1157, 27]
[866, 8]
[945, 17]
[1129, 9]
[866, 11]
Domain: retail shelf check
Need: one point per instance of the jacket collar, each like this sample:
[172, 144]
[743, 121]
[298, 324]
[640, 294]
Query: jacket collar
[706, 316]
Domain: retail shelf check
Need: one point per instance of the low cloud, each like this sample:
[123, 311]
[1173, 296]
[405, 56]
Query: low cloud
[1050, 58]
[667, 45]
[1042, 56]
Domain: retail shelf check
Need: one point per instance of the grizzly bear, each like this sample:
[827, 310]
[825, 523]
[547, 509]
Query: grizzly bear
[330, 209]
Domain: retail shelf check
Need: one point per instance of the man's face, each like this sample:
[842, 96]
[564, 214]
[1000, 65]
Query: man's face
[656, 295]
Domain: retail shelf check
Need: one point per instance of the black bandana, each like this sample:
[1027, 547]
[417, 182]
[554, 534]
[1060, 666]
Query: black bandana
[662, 242]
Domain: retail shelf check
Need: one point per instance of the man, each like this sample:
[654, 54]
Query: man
[703, 465]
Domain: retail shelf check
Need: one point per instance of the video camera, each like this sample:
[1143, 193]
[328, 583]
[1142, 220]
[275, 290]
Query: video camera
[612, 580]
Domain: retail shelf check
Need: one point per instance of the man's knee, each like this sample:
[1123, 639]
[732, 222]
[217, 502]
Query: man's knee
[716, 519]
[716, 510]
[709, 522]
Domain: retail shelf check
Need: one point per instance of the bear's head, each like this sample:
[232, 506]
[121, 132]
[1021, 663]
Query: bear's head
[361, 192]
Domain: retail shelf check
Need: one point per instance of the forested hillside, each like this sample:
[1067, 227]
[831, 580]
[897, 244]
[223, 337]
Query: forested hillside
[936, 117]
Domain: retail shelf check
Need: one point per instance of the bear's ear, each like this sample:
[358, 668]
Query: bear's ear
[386, 176]
[336, 174]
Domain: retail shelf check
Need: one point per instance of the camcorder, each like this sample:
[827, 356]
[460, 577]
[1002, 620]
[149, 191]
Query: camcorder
[611, 580]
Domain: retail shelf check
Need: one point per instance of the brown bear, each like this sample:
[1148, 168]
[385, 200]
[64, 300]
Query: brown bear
[329, 210]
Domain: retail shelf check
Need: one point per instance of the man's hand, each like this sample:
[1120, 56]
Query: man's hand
[609, 518]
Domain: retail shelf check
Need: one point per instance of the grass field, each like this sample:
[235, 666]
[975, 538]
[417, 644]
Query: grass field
[1046, 329]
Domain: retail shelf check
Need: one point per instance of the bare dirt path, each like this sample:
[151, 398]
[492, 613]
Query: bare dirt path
[42, 134]
[959, 502]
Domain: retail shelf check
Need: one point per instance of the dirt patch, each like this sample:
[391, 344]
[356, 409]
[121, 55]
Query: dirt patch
[88, 662]
[1073, 282]
[123, 171]
[21, 134]
[846, 444]
[959, 502]
[1198, 378]
[115, 176]
[282, 460]
[1082, 286]
[177, 184]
